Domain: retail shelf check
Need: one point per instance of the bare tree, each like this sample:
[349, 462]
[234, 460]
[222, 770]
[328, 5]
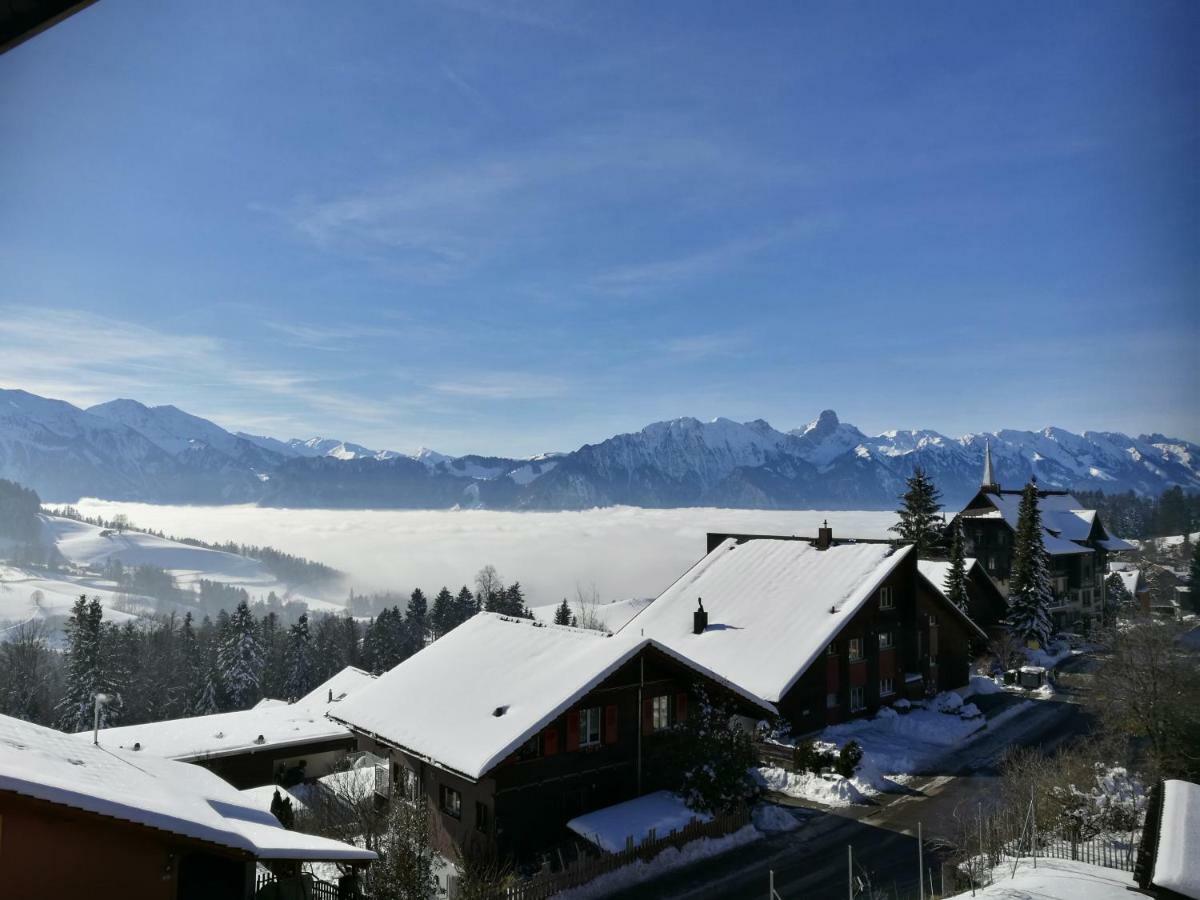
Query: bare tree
[488, 587]
[587, 608]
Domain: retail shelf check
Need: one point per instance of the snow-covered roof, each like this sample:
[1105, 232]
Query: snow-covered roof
[226, 734]
[176, 797]
[472, 697]
[935, 571]
[609, 827]
[339, 687]
[1177, 862]
[1132, 579]
[769, 604]
[1064, 519]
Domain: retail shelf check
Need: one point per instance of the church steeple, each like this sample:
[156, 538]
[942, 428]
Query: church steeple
[988, 484]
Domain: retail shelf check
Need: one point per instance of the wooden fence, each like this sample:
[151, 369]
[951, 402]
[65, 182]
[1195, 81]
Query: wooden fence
[305, 887]
[778, 755]
[586, 869]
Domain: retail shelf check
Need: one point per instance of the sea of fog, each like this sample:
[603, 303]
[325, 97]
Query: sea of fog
[622, 551]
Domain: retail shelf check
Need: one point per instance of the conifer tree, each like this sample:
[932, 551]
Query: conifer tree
[416, 621]
[1116, 596]
[300, 661]
[210, 694]
[1029, 592]
[562, 615]
[241, 659]
[281, 808]
[466, 605]
[956, 577]
[84, 678]
[441, 619]
[920, 522]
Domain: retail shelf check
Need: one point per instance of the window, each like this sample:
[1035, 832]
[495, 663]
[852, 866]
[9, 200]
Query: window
[885, 640]
[855, 649]
[831, 701]
[481, 817]
[531, 749]
[858, 699]
[886, 598]
[886, 687]
[831, 650]
[991, 564]
[412, 787]
[589, 727]
[661, 717]
[450, 801]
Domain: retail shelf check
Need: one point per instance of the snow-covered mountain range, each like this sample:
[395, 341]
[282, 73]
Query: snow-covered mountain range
[124, 450]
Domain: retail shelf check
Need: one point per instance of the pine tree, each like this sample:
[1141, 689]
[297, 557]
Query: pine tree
[562, 615]
[210, 693]
[466, 605]
[274, 649]
[956, 578]
[920, 522]
[84, 678]
[1029, 592]
[281, 808]
[241, 659]
[416, 621]
[1116, 597]
[513, 602]
[300, 661]
[441, 619]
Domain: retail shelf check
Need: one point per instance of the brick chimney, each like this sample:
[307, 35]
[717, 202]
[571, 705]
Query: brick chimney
[699, 618]
[824, 536]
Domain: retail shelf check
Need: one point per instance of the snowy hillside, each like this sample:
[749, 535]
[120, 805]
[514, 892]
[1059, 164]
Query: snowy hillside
[123, 450]
[610, 616]
[88, 550]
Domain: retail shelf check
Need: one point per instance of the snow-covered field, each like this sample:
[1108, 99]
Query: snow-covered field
[28, 593]
[622, 551]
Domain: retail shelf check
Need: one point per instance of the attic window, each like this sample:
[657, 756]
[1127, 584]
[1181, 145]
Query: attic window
[499, 711]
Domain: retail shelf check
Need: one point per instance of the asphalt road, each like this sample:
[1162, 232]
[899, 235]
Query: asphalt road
[811, 862]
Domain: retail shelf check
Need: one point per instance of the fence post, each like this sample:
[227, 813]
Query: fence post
[920, 862]
[850, 870]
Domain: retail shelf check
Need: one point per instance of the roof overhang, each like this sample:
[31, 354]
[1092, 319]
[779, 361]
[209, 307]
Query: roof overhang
[22, 19]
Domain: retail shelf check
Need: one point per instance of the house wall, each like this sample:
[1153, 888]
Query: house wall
[259, 767]
[48, 850]
[528, 798]
[806, 705]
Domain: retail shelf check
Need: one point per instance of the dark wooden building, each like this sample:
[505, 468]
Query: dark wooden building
[987, 606]
[509, 728]
[825, 629]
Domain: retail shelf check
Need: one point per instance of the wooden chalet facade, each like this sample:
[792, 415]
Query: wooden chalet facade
[1076, 541]
[987, 606]
[598, 748]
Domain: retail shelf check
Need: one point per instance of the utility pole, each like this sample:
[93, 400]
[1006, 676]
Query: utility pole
[850, 870]
[1033, 812]
[920, 862]
[100, 700]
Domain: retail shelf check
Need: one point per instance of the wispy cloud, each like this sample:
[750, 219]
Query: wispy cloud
[696, 347]
[502, 386]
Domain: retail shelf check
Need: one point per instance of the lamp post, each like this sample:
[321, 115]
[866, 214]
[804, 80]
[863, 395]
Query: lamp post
[101, 700]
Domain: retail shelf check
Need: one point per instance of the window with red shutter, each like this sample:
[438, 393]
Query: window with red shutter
[610, 724]
[572, 730]
[648, 715]
[550, 741]
[681, 707]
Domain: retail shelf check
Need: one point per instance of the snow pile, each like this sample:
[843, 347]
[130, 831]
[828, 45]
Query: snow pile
[981, 686]
[770, 817]
[1049, 656]
[670, 859]
[828, 789]
[1059, 879]
[949, 702]
[611, 827]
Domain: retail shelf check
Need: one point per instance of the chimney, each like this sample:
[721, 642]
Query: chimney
[824, 536]
[699, 618]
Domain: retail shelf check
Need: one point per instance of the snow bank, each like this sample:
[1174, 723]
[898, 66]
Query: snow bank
[770, 817]
[670, 859]
[1059, 879]
[828, 789]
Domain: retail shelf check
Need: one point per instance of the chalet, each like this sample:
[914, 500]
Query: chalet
[509, 728]
[824, 629]
[80, 820]
[1075, 539]
[274, 741]
[1168, 860]
[986, 604]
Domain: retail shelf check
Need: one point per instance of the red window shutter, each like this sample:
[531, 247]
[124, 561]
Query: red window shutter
[572, 730]
[550, 741]
[610, 724]
[680, 707]
[647, 715]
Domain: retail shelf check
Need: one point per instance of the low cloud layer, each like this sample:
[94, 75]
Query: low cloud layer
[623, 551]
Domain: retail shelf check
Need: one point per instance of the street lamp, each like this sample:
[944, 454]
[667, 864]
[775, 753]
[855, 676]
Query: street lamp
[101, 700]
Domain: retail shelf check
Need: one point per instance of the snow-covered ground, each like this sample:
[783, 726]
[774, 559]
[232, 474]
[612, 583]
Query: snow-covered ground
[611, 616]
[622, 551]
[1055, 879]
[27, 593]
[895, 745]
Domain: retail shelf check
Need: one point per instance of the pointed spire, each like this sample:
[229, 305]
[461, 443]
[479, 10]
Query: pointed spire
[988, 482]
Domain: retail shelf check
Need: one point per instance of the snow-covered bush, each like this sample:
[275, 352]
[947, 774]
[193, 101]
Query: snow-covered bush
[949, 703]
[722, 781]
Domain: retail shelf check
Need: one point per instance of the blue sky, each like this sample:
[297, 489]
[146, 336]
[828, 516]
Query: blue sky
[509, 227]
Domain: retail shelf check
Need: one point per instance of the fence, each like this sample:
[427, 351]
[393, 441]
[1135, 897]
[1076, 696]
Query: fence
[304, 887]
[543, 886]
[778, 755]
